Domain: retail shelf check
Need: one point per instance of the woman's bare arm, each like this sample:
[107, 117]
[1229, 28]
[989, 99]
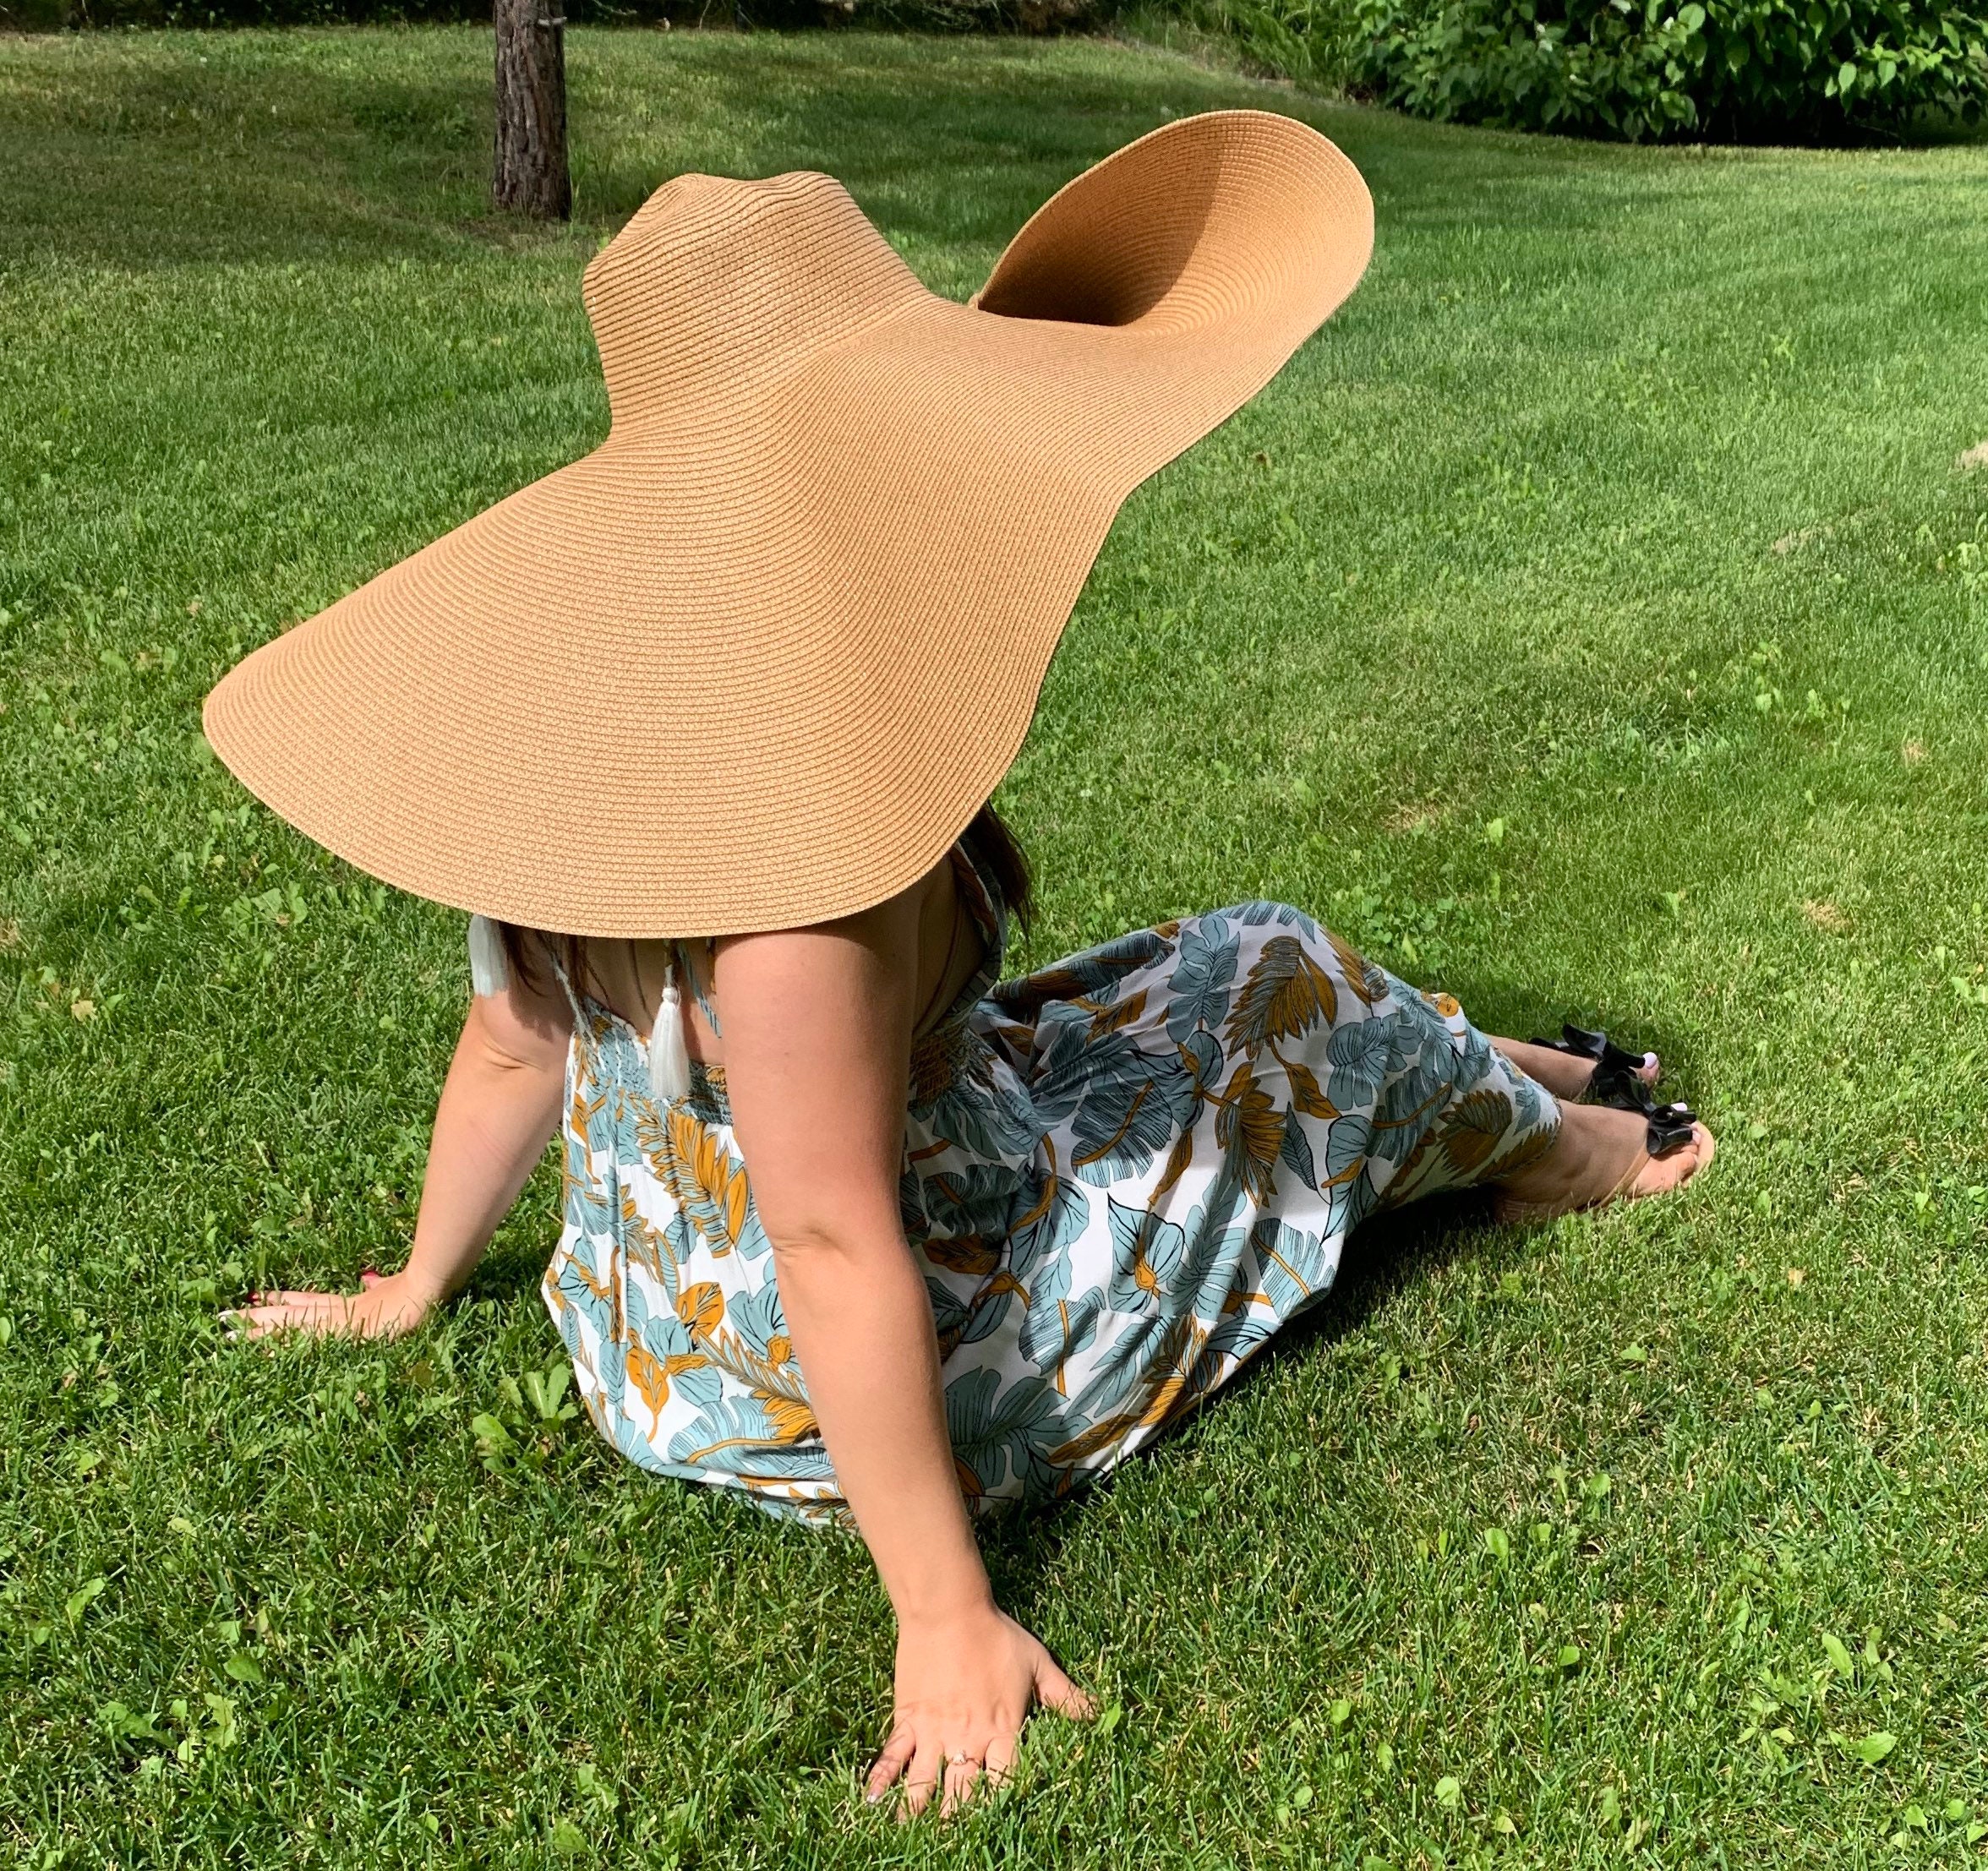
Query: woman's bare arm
[817, 1030]
[498, 1108]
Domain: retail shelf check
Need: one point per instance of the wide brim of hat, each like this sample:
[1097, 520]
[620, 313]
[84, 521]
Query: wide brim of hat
[757, 660]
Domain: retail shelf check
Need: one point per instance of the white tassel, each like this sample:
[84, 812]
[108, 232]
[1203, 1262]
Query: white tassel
[669, 1059]
[487, 973]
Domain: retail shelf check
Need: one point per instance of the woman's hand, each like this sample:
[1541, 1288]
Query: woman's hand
[500, 1104]
[965, 1687]
[386, 1306]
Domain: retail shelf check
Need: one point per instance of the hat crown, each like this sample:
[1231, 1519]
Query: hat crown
[714, 283]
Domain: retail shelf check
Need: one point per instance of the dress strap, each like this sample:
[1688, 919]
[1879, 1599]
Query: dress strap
[490, 970]
[982, 898]
[580, 1020]
[690, 974]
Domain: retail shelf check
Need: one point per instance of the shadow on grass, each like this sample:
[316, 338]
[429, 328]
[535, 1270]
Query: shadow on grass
[153, 151]
[162, 150]
[943, 142]
[1383, 1258]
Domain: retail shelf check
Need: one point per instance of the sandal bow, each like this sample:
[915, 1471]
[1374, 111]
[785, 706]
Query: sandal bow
[1617, 1081]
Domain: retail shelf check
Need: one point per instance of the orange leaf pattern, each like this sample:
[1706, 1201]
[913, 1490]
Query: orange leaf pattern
[1129, 1170]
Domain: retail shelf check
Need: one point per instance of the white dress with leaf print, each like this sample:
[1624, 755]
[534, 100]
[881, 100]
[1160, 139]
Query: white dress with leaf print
[1122, 1174]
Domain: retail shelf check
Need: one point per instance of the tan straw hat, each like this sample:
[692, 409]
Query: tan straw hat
[759, 658]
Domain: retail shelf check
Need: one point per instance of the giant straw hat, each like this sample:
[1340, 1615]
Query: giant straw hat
[757, 660]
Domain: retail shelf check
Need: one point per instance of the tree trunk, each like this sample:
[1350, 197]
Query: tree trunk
[531, 175]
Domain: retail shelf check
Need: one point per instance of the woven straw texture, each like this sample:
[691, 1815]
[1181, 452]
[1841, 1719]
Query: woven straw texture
[757, 660]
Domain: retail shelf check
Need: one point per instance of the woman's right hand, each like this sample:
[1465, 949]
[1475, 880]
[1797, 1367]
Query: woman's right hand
[386, 1306]
[499, 1105]
[965, 1684]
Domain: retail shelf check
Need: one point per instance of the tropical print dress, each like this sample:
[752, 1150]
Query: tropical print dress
[1122, 1175]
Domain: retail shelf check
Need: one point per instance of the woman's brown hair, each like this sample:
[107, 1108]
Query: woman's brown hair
[996, 852]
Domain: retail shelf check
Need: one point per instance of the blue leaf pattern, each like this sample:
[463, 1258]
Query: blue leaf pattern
[1202, 978]
[1118, 1190]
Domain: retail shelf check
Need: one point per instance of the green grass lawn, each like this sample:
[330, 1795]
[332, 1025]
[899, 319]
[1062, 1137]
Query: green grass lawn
[1592, 620]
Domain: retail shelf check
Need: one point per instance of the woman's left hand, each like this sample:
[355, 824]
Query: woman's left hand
[386, 1306]
[965, 1687]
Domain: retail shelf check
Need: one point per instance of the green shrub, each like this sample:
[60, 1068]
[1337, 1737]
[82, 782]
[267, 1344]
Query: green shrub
[1750, 70]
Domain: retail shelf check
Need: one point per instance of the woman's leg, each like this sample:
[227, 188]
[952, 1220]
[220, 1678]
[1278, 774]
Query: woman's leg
[1599, 1154]
[1602, 1155]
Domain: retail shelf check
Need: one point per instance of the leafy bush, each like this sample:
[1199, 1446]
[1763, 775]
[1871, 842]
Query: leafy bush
[1811, 70]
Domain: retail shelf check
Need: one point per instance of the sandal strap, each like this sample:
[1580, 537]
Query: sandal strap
[1671, 1127]
[1576, 1041]
[1619, 1088]
[1618, 1080]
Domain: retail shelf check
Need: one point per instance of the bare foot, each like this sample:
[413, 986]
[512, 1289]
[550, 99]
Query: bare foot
[1600, 1156]
[1564, 1074]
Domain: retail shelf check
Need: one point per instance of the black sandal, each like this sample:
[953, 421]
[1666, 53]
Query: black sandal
[1617, 1081]
[1669, 1125]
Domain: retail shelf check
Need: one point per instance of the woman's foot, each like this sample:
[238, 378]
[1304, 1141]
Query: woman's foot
[1600, 1156]
[1564, 1074]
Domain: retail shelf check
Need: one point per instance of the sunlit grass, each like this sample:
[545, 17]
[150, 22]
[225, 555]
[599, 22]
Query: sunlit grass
[1593, 620]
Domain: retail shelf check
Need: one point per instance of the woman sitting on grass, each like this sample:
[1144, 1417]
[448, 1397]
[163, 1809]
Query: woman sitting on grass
[1008, 1230]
